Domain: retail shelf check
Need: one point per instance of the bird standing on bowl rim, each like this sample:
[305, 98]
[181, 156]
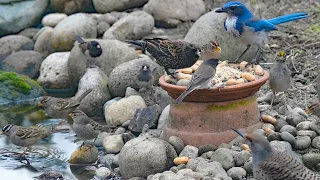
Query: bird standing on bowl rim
[204, 74]
[24, 136]
[270, 164]
[171, 54]
[250, 29]
[86, 128]
[60, 107]
[145, 77]
[280, 75]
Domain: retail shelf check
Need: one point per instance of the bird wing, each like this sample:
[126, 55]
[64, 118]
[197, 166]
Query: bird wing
[198, 78]
[165, 46]
[257, 24]
[30, 132]
[64, 104]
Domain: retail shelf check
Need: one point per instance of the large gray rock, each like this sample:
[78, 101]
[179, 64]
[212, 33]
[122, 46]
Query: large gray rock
[92, 104]
[148, 115]
[72, 6]
[29, 32]
[103, 6]
[136, 25]
[79, 24]
[13, 43]
[223, 156]
[175, 9]
[114, 53]
[24, 62]
[19, 15]
[143, 156]
[11, 91]
[122, 110]
[125, 75]
[54, 73]
[43, 43]
[52, 19]
[210, 27]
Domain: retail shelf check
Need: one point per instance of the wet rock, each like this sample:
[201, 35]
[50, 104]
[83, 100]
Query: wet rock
[26, 14]
[237, 173]
[93, 104]
[78, 24]
[148, 115]
[113, 144]
[224, 157]
[103, 172]
[87, 154]
[316, 142]
[52, 19]
[114, 53]
[14, 43]
[210, 27]
[288, 137]
[54, 73]
[206, 148]
[29, 32]
[50, 175]
[43, 43]
[103, 6]
[123, 110]
[248, 166]
[72, 6]
[136, 25]
[302, 142]
[175, 9]
[312, 161]
[241, 157]
[309, 133]
[24, 62]
[189, 151]
[125, 75]
[177, 143]
[135, 159]
[290, 129]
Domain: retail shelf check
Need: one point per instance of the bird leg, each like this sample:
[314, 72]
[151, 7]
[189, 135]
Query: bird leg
[285, 102]
[170, 73]
[274, 95]
[256, 59]
[248, 46]
[23, 155]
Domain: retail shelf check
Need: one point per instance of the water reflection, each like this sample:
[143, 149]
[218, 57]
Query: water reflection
[50, 153]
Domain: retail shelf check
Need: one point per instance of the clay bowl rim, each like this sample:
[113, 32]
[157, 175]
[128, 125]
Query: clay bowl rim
[234, 88]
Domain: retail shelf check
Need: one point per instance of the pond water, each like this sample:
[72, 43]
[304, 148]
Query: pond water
[50, 153]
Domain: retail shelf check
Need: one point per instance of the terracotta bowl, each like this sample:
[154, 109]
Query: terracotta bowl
[226, 93]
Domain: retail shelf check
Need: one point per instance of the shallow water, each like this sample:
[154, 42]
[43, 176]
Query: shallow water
[50, 153]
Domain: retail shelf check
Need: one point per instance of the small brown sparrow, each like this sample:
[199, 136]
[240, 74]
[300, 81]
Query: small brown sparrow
[314, 109]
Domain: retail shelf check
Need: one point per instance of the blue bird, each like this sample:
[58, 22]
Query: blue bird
[250, 29]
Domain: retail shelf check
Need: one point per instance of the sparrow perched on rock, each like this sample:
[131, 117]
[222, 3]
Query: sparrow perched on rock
[145, 77]
[60, 107]
[314, 109]
[86, 128]
[271, 164]
[171, 54]
[24, 136]
[93, 47]
[280, 75]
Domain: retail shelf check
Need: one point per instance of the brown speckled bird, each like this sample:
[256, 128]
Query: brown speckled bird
[280, 75]
[171, 54]
[270, 164]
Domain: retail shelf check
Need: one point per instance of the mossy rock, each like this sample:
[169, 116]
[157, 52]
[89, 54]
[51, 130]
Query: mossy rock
[15, 87]
[86, 154]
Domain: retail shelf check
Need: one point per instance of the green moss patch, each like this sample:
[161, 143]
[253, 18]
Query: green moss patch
[16, 82]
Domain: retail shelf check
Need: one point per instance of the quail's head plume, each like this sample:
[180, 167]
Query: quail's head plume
[93, 47]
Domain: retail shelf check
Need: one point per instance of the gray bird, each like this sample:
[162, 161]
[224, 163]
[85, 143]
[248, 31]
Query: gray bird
[145, 77]
[60, 107]
[201, 79]
[280, 75]
[86, 128]
[270, 164]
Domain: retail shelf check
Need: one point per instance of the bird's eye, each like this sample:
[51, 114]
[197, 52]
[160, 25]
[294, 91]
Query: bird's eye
[98, 46]
[232, 7]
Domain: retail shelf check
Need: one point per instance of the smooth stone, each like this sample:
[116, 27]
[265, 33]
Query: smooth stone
[316, 142]
[189, 151]
[29, 32]
[302, 142]
[104, 6]
[43, 43]
[279, 124]
[148, 115]
[237, 173]
[130, 91]
[48, 175]
[183, 82]
[113, 144]
[206, 148]
[103, 172]
[224, 157]
[176, 143]
[241, 157]
[164, 117]
[268, 125]
[53, 19]
[120, 130]
[248, 166]
[190, 173]
[211, 168]
[115, 161]
[294, 119]
[309, 133]
[107, 160]
[87, 154]
[305, 125]
[274, 136]
[108, 18]
[72, 6]
[14, 43]
[194, 163]
[290, 129]
[162, 97]
[315, 127]
[311, 161]
[102, 27]
[288, 137]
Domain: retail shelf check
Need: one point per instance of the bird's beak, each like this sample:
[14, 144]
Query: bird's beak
[2, 133]
[220, 10]
[145, 68]
[308, 111]
[239, 132]
[70, 115]
[218, 49]
[41, 105]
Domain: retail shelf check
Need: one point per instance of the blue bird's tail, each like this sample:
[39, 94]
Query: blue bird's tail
[287, 18]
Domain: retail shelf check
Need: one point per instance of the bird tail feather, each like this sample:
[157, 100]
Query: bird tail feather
[79, 39]
[83, 95]
[182, 96]
[140, 44]
[287, 18]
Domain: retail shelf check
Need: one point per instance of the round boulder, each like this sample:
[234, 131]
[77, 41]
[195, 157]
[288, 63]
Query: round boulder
[143, 156]
[72, 6]
[79, 24]
[210, 27]
[125, 75]
[43, 43]
[114, 52]
[24, 62]
[103, 6]
[136, 25]
[16, 16]
[52, 19]
[14, 43]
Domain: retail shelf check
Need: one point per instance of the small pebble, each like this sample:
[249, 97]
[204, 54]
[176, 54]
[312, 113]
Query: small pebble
[241, 157]
[316, 142]
[181, 160]
[290, 129]
[189, 151]
[237, 173]
[206, 148]
[268, 125]
[248, 166]
[103, 172]
[273, 136]
[279, 124]
[295, 119]
[288, 137]
[177, 143]
[302, 142]
[312, 161]
[309, 133]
